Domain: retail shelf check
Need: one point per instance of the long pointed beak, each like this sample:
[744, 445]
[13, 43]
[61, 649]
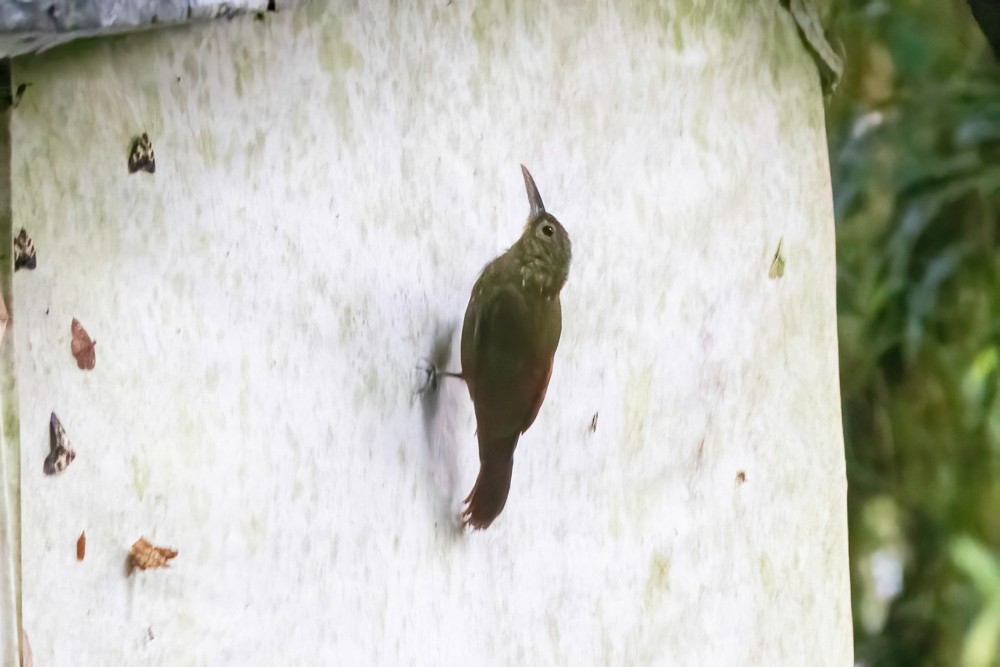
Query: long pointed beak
[534, 199]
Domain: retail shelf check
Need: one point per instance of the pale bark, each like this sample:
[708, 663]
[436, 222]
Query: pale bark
[328, 183]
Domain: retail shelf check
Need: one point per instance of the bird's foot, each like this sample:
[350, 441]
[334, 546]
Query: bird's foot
[428, 377]
[431, 376]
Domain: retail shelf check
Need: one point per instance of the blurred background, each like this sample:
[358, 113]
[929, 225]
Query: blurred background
[914, 133]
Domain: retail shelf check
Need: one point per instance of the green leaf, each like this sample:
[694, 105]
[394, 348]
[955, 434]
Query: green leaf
[980, 646]
[978, 563]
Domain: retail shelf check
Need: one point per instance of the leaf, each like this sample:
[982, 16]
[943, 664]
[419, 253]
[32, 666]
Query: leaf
[980, 371]
[978, 563]
[980, 646]
[923, 296]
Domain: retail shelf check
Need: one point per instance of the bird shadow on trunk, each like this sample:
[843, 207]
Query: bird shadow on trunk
[437, 397]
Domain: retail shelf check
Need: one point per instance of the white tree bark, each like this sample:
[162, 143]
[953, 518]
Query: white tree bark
[328, 183]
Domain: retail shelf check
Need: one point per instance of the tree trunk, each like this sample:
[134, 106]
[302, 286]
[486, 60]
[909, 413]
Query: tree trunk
[328, 182]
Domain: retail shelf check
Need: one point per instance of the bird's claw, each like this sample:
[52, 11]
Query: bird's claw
[431, 376]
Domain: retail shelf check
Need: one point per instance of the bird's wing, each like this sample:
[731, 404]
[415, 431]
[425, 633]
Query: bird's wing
[539, 398]
[549, 329]
[510, 348]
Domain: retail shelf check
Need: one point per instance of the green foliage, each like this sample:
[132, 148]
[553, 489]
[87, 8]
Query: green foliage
[915, 152]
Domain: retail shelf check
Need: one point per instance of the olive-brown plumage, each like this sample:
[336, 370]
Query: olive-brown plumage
[509, 338]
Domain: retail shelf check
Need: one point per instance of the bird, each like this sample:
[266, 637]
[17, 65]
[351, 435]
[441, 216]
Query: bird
[510, 334]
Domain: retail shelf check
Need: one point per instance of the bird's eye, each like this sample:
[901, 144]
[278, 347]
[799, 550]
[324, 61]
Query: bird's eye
[548, 230]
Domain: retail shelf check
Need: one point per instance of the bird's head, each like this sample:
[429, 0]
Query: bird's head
[544, 249]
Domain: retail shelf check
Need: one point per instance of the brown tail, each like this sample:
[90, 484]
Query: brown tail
[489, 495]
